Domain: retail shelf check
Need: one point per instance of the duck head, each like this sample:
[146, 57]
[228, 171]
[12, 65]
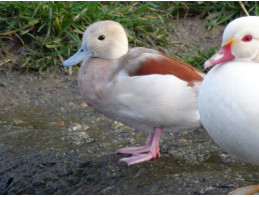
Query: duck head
[240, 42]
[104, 39]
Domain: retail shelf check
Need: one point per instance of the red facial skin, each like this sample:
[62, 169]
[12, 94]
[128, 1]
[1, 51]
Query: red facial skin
[223, 55]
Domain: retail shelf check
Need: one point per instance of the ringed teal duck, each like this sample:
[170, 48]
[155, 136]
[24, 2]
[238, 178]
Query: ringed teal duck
[139, 87]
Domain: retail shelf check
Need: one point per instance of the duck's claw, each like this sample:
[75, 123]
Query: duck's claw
[138, 158]
[133, 150]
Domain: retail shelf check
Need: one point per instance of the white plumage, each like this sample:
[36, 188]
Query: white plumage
[229, 108]
[228, 100]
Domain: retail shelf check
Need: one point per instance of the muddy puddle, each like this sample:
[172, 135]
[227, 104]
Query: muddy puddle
[52, 143]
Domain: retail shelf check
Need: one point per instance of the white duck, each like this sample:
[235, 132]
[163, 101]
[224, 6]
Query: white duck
[228, 101]
[140, 87]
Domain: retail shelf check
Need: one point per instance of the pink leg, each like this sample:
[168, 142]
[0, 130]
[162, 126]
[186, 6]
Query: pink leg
[137, 150]
[151, 150]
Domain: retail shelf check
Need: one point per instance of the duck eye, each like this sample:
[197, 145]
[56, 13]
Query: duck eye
[101, 37]
[247, 38]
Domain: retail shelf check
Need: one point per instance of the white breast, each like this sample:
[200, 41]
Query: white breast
[229, 108]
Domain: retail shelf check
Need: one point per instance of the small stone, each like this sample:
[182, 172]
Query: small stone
[81, 138]
[182, 141]
[223, 156]
[74, 127]
[83, 134]
[37, 180]
[84, 105]
[2, 84]
[117, 125]
[73, 105]
[60, 123]
[85, 127]
[18, 121]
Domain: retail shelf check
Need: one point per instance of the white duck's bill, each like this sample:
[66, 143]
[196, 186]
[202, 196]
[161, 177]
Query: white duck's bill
[80, 55]
[224, 54]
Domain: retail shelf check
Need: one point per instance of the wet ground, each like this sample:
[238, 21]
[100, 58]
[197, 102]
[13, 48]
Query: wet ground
[52, 143]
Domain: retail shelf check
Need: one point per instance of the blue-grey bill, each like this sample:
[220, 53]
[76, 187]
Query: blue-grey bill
[80, 55]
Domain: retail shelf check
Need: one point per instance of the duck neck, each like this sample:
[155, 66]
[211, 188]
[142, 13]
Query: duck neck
[93, 77]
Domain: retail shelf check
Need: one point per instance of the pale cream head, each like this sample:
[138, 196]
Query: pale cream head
[106, 39]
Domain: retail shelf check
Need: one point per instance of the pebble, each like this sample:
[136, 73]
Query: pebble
[182, 141]
[84, 105]
[85, 127]
[74, 127]
[2, 84]
[18, 121]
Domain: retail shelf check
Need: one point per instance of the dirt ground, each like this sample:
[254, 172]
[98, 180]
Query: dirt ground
[52, 143]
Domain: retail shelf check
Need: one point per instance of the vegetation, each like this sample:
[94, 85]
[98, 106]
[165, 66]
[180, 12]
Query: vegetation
[51, 31]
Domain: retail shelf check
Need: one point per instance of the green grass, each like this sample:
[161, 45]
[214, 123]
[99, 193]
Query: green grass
[51, 31]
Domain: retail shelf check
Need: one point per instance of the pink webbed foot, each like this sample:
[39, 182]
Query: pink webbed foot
[133, 150]
[138, 150]
[138, 158]
[144, 153]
